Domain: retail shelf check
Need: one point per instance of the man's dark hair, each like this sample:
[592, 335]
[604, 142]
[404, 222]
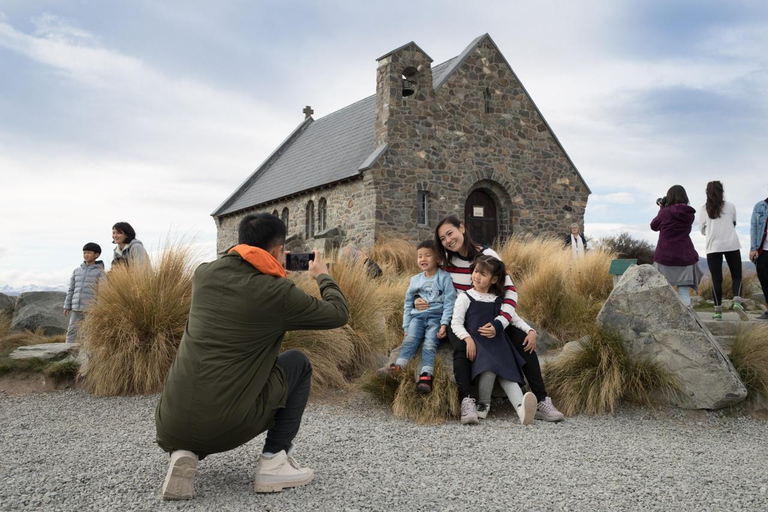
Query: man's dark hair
[261, 230]
[427, 244]
[127, 230]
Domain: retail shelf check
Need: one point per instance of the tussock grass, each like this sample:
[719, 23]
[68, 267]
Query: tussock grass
[62, 370]
[524, 254]
[135, 323]
[5, 325]
[435, 407]
[598, 374]
[329, 351]
[749, 282]
[395, 256]
[13, 340]
[749, 355]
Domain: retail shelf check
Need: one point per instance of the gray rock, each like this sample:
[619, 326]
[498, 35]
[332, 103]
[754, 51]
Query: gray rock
[47, 351]
[696, 300]
[41, 309]
[655, 324]
[7, 305]
[544, 340]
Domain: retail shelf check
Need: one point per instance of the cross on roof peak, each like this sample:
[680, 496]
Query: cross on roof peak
[308, 112]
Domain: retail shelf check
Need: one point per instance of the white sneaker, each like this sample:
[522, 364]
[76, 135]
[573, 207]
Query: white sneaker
[483, 410]
[180, 480]
[546, 411]
[468, 411]
[279, 471]
[527, 410]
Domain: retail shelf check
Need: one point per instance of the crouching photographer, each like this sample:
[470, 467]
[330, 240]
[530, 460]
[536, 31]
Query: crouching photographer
[229, 382]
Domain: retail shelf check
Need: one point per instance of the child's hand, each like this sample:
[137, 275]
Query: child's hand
[529, 343]
[420, 304]
[66, 312]
[442, 332]
[471, 348]
[488, 330]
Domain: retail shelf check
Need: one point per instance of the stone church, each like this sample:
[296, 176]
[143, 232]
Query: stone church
[462, 137]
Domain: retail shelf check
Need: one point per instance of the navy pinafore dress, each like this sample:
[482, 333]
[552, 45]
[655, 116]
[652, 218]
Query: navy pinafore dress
[497, 355]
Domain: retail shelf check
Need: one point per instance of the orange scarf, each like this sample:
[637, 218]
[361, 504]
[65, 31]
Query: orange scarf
[263, 261]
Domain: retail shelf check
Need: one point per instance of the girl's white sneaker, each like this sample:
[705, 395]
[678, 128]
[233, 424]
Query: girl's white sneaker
[527, 410]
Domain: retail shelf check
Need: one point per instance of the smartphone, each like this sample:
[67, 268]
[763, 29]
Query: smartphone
[298, 260]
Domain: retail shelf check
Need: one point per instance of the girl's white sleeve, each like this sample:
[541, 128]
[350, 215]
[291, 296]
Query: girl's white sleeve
[459, 313]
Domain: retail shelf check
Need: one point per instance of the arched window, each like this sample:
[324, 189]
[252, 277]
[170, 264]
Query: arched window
[423, 207]
[275, 213]
[310, 221]
[322, 214]
[284, 217]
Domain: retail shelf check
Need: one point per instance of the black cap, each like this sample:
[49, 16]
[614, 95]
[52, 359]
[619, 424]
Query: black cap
[92, 246]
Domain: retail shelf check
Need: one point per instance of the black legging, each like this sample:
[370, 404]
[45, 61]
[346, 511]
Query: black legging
[715, 263]
[462, 367]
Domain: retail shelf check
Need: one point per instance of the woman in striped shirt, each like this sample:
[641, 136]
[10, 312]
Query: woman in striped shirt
[460, 250]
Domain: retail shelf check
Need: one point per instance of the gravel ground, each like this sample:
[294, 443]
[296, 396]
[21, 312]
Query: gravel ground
[70, 451]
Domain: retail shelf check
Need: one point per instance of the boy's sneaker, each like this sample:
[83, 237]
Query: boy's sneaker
[425, 384]
[279, 471]
[717, 316]
[527, 410]
[546, 411]
[393, 371]
[180, 480]
[468, 411]
[483, 410]
[739, 309]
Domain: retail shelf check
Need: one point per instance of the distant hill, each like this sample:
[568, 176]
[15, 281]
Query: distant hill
[13, 291]
[746, 266]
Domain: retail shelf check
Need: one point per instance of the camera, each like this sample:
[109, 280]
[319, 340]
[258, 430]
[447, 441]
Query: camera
[297, 261]
[662, 201]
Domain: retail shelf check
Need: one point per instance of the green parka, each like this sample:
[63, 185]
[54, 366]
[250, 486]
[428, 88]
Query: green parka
[223, 387]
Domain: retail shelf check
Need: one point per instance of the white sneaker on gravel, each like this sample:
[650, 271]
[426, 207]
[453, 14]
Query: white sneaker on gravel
[468, 412]
[546, 411]
[280, 471]
[180, 480]
[527, 410]
[483, 410]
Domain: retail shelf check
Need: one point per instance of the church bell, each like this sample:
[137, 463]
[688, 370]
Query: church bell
[409, 87]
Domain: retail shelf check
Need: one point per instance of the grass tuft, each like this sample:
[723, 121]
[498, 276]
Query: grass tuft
[62, 370]
[14, 340]
[395, 256]
[749, 355]
[435, 407]
[749, 282]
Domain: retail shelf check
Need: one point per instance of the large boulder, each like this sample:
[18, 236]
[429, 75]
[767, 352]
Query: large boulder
[655, 324]
[41, 309]
[7, 305]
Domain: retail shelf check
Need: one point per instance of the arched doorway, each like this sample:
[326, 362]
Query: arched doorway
[480, 217]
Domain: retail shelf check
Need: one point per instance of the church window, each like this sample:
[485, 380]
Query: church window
[423, 207]
[487, 96]
[284, 217]
[410, 81]
[275, 213]
[309, 226]
[322, 214]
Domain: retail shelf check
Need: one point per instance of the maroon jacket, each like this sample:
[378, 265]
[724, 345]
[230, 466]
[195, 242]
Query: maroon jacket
[674, 226]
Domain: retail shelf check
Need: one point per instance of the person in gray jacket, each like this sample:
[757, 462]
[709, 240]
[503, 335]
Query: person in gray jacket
[129, 251]
[81, 286]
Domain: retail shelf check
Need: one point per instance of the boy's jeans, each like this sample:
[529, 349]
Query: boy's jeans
[422, 327]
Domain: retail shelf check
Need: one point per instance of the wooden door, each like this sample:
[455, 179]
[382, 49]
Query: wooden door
[480, 217]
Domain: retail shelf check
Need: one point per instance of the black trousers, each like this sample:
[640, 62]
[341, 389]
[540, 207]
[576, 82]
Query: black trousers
[298, 379]
[762, 272]
[715, 263]
[462, 367]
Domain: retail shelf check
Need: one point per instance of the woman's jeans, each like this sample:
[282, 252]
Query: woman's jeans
[422, 327]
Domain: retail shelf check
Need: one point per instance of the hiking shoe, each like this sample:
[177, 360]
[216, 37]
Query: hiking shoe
[425, 384]
[739, 309]
[468, 411]
[180, 480]
[717, 316]
[393, 371]
[546, 411]
[483, 410]
[527, 410]
[279, 471]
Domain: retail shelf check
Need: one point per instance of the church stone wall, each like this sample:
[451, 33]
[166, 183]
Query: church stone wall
[350, 206]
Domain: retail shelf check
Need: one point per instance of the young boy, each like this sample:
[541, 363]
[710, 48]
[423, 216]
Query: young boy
[81, 285]
[431, 325]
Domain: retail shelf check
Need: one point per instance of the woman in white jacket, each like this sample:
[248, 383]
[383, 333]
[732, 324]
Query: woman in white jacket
[718, 224]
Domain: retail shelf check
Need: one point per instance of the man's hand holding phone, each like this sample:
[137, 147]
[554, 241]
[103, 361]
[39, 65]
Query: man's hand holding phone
[317, 266]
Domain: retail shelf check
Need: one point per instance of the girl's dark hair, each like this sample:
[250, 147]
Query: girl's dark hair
[495, 267]
[676, 195]
[715, 200]
[445, 254]
[126, 229]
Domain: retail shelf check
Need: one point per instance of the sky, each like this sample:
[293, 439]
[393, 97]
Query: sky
[155, 112]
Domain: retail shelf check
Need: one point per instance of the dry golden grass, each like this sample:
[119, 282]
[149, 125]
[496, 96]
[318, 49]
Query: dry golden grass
[749, 282]
[395, 256]
[597, 375]
[13, 340]
[435, 407]
[749, 356]
[5, 325]
[329, 352]
[135, 323]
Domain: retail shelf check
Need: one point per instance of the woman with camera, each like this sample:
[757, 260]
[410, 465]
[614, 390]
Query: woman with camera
[675, 256]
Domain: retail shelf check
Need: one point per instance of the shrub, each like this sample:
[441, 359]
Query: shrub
[395, 256]
[629, 248]
[749, 281]
[596, 375]
[135, 323]
[749, 355]
[524, 254]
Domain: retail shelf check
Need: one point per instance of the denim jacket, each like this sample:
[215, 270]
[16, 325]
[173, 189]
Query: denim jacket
[757, 227]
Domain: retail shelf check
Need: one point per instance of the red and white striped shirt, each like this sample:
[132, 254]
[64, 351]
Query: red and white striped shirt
[458, 268]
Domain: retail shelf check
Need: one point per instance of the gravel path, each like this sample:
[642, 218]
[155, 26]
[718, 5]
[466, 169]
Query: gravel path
[70, 451]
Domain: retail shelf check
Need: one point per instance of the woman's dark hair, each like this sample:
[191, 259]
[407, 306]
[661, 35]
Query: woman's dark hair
[444, 253]
[715, 200]
[493, 266]
[676, 195]
[261, 230]
[127, 230]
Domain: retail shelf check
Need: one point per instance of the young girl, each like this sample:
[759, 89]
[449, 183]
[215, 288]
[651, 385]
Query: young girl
[492, 355]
